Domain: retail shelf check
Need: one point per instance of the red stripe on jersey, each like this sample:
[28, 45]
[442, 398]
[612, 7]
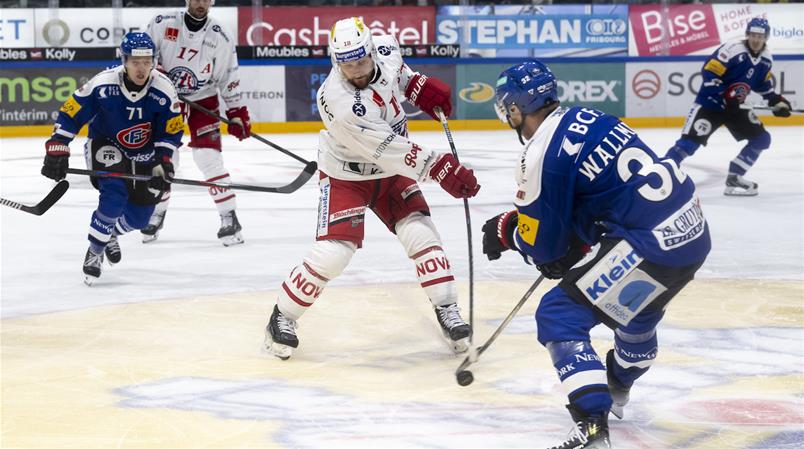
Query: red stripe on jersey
[225, 199]
[313, 272]
[218, 177]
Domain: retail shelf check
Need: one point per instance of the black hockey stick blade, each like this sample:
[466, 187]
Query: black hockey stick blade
[58, 191]
[770, 108]
[294, 185]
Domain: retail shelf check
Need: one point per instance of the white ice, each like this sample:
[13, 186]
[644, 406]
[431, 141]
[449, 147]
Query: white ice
[756, 240]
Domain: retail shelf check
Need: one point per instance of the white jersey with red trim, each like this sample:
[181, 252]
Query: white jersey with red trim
[366, 129]
[200, 63]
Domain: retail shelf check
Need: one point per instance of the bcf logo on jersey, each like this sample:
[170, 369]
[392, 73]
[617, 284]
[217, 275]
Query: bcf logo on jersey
[136, 136]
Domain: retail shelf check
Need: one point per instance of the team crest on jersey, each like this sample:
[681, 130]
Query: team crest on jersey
[739, 91]
[184, 79]
[136, 136]
[171, 34]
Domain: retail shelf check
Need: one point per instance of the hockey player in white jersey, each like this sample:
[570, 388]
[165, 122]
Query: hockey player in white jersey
[367, 161]
[198, 55]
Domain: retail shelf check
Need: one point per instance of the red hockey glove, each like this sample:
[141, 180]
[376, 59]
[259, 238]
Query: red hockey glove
[456, 179]
[428, 92]
[498, 234]
[57, 159]
[241, 123]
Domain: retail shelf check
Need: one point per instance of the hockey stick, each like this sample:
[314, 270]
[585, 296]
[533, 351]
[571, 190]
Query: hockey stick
[289, 188]
[49, 200]
[468, 225]
[211, 113]
[770, 108]
[464, 376]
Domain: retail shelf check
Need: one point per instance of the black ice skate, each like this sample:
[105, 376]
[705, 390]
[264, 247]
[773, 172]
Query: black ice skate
[151, 232]
[454, 328]
[92, 266]
[280, 335]
[590, 432]
[229, 233]
[113, 253]
[736, 185]
[620, 394]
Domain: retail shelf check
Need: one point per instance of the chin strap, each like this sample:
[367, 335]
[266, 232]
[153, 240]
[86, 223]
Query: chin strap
[517, 128]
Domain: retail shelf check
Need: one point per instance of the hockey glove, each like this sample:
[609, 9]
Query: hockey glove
[498, 234]
[453, 177]
[558, 268]
[781, 107]
[428, 92]
[161, 174]
[241, 122]
[57, 159]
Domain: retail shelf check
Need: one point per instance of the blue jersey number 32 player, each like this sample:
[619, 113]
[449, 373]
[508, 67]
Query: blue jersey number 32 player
[134, 127]
[585, 178]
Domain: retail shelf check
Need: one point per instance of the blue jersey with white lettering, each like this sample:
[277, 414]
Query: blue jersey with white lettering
[586, 172]
[731, 71]
[139, 123]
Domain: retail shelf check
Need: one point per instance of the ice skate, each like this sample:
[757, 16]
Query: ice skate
[590, 432]
[92, 267]
[280, 335]
[455, 330]
[736, 185]
[620, 394]
[112, 251]
[229, 233]
[151, 232]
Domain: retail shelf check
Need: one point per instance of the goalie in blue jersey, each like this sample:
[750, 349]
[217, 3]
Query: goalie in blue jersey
[134, 127]
[586, 179]
[728, 76]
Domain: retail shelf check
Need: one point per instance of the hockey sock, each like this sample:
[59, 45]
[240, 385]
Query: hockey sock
[633, 355]
[749, 154]
[582, 375]
[210, 162]
[683, 149]
[435, 275]
[100, 231]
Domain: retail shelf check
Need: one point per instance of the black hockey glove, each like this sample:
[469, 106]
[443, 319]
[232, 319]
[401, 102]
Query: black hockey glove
[498, 234]
[161, 174]
[57, 159]
[559, 267]
[781, 107]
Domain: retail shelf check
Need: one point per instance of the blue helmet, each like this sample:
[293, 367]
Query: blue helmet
[758, 25]
[137, 44]
[529, 85]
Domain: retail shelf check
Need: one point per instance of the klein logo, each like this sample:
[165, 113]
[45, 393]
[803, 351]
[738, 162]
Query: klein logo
[136, 136]
[646, 84]
[634, 294]
[477, 93]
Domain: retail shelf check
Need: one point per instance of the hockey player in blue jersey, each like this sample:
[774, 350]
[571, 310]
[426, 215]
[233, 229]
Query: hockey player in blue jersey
[586, 179]
[728, 76]
[134, 127]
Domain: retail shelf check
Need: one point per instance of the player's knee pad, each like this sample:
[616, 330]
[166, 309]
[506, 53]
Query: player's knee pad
[582, 375]
[634, 353]
[760, 142]
[419, 236]
[561, 318]
[305, 282]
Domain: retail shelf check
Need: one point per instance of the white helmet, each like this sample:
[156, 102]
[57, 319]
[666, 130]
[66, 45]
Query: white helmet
[350, 40]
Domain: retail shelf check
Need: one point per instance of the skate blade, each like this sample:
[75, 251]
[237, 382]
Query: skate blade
[617, 410]
[89, 280]
[149, 238]
[280, 351]
[736, 191]
[231, 240]
[460, 346]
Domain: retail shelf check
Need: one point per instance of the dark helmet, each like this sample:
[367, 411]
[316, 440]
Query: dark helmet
[529, 85]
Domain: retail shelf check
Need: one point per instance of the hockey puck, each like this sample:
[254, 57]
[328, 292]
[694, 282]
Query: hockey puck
[464, 378]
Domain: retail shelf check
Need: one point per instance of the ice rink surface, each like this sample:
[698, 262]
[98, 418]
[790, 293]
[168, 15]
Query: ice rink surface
[163, 351]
